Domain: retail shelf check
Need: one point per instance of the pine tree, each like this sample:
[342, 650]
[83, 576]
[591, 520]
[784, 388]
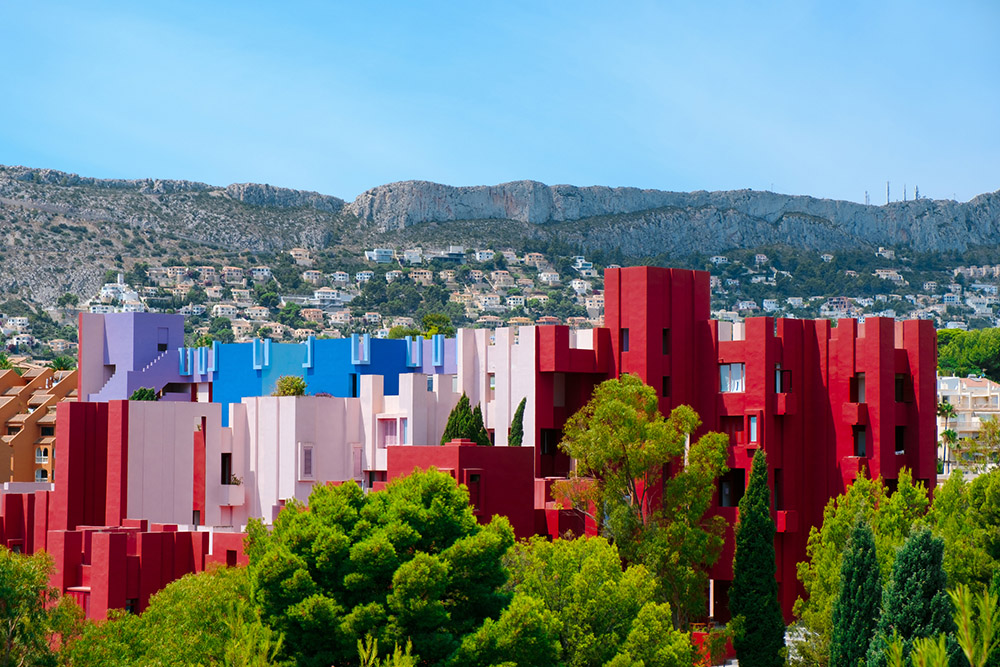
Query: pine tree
[517, 426]
[916, 604]
[459, 421]
[856, 611]
[477, 430]
[753, 597]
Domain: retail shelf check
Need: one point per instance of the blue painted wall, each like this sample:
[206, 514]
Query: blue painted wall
[329, 370]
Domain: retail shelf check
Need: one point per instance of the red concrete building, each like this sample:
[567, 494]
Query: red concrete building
[823, 399]
[500, 480]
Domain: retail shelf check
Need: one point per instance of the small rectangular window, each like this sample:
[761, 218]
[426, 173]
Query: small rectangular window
[666, 386]
[430, 383]
[782, 380]
[666, 341]
[454, 383]
[900, 439]
[857, 389]
[227, 468]
[48, 431]
[306, 461]
[753, 429]
[859, 441]
[196, 517]
[732, 486]
[779, 490]
[353, 389]
[624, 340]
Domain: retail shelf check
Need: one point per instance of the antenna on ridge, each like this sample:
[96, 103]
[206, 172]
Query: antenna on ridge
[887, 192]
[867, 202]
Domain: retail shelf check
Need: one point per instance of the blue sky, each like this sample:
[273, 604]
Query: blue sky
[823, 98]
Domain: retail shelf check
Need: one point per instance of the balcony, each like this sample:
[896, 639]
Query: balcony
[784, 404]
[786, 521]
[233, 495]
[855, 413]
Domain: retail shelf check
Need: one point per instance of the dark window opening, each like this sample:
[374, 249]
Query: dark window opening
[196, 517]
[550, 442]
[13, 430]
[732, 485]
[859, 440]
[48, 431]
[231, 557]
[624, 340]
[475, 490]
[857, 391]
[666, 341]
[779, 490]
[782, 380]
[900, 439]
[903, 388]
[161, 347]
[666, 386]
[132, 605]
[227, 468]
[353, 391]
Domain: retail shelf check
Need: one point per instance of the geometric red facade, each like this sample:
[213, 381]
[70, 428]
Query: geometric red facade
[823, 400]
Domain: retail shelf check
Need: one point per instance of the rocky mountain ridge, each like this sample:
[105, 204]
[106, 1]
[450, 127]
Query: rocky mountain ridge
[63, 231]
[721, 219]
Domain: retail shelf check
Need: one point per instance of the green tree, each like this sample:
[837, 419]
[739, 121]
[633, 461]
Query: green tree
[407, 563]
[977, 624]
[63, 363]
[289, 385]
[68, 299]
[759, 639]
[143, 394]
[31, 612]
[203, 618]
[402, 332]
[459, 421]
[916, 603]
[478, 430]
[574, 605]
[622, 445]
[517, 425]
[437, 323]
[891, 518]
[964, 515]
[856, 611]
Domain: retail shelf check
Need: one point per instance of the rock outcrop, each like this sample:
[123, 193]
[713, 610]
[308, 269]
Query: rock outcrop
[741, 218]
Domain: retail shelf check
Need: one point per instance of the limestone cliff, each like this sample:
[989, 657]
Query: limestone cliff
[690, 220]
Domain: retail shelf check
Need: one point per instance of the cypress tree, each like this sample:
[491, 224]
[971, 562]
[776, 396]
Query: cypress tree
[517, 426]
[477, 429]
[753, 598]
[856, 611]
[459, 421]
[916, 604]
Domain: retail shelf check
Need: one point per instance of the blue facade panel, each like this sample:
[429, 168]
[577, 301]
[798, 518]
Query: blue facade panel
[243, 370]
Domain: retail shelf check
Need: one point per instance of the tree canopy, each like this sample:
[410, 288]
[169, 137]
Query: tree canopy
[574, 605]
[759, 638]
[407, 563]
[623, 445]
[891, 518]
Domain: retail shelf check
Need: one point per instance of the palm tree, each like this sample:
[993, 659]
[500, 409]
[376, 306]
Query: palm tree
[948, 437]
